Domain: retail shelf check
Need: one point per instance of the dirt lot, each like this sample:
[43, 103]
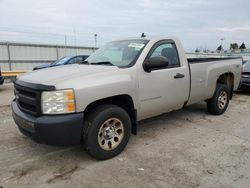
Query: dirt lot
[187, 148]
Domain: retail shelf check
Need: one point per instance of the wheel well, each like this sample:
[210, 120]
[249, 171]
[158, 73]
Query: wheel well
[124, 101]
[227, 79]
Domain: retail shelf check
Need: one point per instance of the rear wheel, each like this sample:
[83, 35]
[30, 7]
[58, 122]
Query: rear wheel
[219, 102]
[106, 131]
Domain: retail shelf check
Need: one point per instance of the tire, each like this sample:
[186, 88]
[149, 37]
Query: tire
[106, 131]
[218, 104]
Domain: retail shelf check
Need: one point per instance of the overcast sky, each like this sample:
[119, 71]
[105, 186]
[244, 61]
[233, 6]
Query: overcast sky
[198, 23]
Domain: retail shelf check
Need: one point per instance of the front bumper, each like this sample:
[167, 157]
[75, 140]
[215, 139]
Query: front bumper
[53, 130]
[1, 80]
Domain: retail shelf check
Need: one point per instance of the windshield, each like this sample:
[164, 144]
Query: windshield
[61, 61]
[119, 53]
[246, 65]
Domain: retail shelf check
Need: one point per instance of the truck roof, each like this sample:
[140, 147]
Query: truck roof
[154, 38]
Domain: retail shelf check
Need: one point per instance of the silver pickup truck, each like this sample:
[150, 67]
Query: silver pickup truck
[98, 103]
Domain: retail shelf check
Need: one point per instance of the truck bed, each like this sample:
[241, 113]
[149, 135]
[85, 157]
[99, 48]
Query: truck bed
[205, 72]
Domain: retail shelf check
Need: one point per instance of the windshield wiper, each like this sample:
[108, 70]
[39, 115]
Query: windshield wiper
[102, 63]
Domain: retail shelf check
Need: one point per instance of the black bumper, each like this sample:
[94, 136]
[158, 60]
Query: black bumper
[245, 84]
[1, 80]
[244, 87]
[52, 130]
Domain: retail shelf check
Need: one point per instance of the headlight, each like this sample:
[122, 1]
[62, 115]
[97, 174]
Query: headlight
[58, 102]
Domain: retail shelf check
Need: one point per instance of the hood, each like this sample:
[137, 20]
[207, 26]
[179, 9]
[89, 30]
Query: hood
[54, 75]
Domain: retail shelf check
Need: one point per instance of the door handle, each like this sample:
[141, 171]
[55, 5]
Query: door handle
[179, 75]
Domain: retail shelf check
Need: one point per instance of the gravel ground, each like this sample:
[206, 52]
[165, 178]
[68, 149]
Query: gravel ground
[186, 148]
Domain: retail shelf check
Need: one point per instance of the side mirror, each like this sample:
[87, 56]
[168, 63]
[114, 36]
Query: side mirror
[155, 63]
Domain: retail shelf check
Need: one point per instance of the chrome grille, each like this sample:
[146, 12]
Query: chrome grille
[28, 99]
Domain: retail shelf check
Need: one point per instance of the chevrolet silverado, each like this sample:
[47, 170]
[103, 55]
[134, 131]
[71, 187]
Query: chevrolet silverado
[99, 102]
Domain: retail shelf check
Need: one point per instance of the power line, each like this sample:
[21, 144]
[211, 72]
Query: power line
[24, 36]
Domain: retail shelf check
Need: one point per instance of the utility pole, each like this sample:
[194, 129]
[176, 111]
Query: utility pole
[222, 39]
[95, 36]
[65, 40]
[74, 31]
[9, 58]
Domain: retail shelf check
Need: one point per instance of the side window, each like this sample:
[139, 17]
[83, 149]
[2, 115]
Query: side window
[75, 60]
[72, 61]
[79, 60]
[169, 51]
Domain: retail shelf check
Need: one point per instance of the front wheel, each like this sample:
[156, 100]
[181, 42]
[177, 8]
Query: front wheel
[219, 102]
[106, 131]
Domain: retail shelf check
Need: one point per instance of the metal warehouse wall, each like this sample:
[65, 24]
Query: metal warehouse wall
[20, 56]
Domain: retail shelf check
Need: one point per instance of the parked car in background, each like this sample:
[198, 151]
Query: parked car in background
[1, 78]
[245, 76]
[68, 60]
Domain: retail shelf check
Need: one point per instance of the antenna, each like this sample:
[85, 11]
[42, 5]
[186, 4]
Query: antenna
[143, 35]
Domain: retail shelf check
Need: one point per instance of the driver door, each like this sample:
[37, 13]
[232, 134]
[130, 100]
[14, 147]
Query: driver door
[162, 90]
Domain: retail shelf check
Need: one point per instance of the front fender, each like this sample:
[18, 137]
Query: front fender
[101, 88]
